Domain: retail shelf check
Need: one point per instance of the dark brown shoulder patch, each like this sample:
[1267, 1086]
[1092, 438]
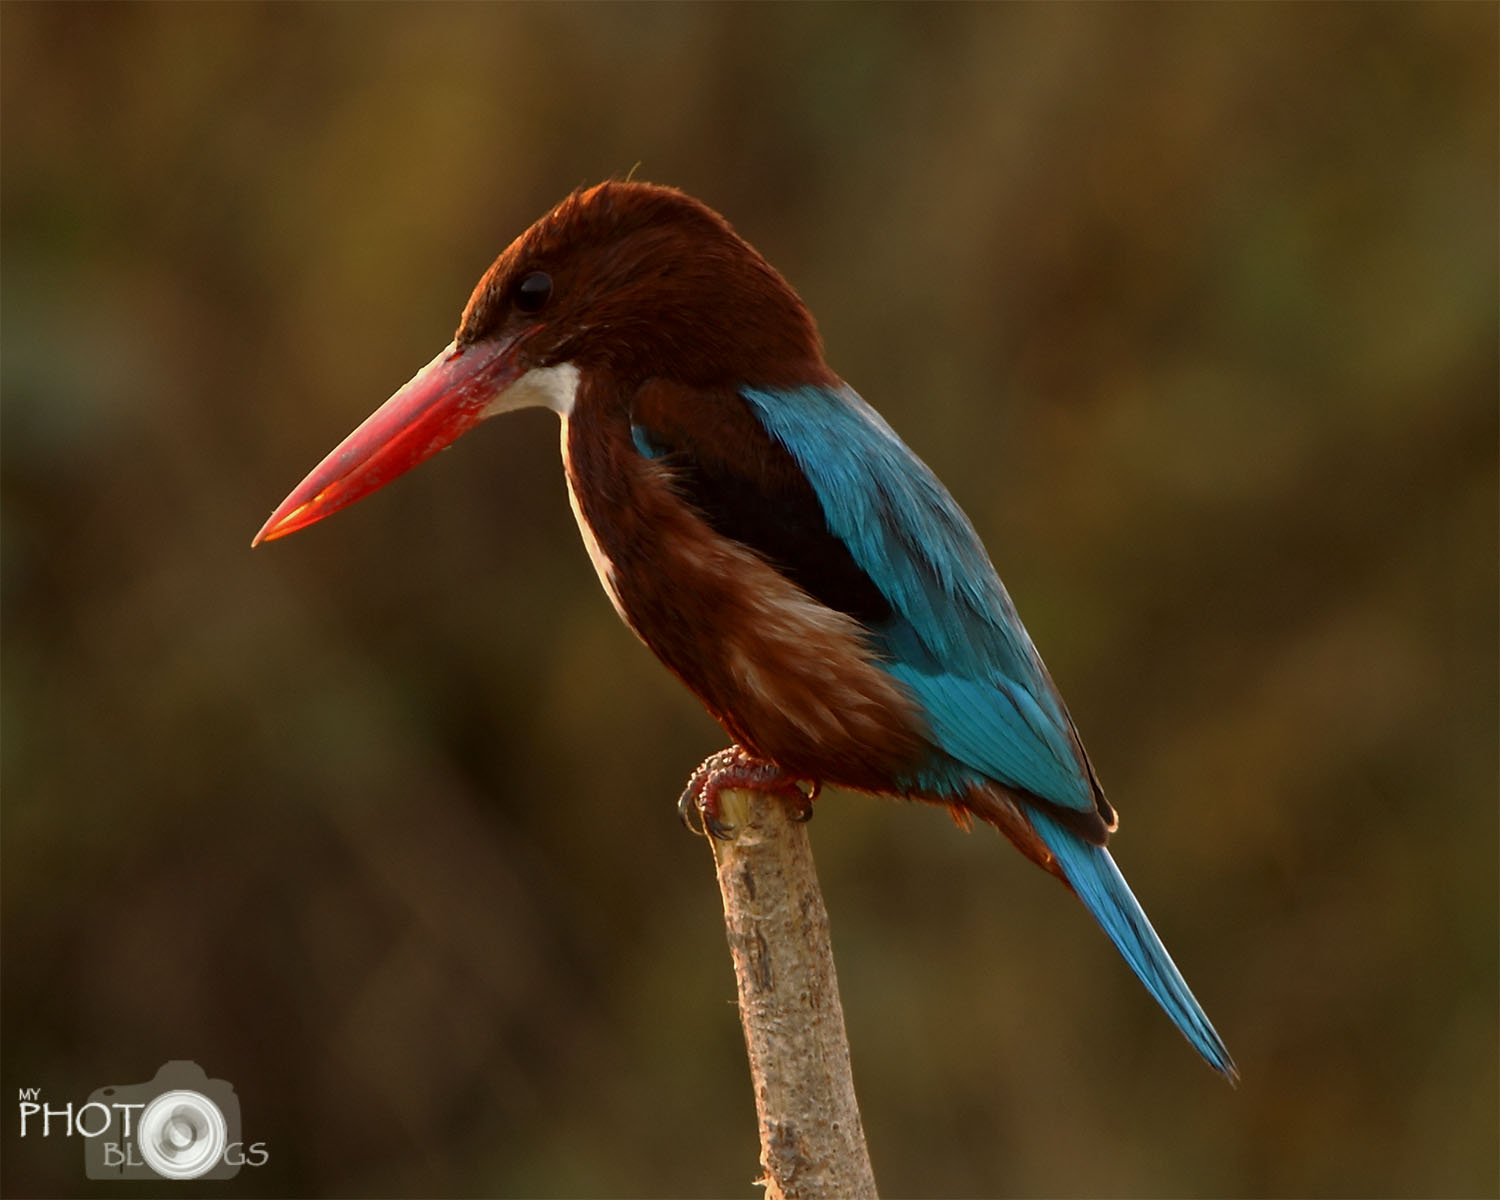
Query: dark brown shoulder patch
[748, 488]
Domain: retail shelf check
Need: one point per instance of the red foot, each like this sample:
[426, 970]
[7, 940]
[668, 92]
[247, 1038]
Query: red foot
[735, 768]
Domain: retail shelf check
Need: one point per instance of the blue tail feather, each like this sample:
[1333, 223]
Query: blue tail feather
[1104, 892]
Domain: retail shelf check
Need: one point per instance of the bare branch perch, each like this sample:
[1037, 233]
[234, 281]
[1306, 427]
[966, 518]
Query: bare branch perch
[812, 1144]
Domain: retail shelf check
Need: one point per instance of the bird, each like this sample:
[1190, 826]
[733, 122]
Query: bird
[768, 536]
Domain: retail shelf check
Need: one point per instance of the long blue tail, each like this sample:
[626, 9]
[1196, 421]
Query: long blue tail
[1104, 892]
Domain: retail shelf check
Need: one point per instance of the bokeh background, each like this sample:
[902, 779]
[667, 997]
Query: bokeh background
[1193, 307]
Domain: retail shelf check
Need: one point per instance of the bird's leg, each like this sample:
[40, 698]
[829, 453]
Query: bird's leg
[734, 768]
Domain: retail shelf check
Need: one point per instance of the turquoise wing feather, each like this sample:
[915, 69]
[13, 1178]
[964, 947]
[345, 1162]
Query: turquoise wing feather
[955, 641]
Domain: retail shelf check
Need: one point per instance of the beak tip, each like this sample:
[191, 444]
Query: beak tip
[270, 531]
[294, 514]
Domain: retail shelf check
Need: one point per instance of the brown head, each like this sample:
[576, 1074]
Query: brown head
[626, 281]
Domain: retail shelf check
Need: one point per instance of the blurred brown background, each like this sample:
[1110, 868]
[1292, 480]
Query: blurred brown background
[1194, 309]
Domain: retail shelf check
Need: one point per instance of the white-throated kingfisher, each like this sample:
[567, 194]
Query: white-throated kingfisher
[767, 535]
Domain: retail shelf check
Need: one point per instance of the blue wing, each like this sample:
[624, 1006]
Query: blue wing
[954, 638]
[955, 641]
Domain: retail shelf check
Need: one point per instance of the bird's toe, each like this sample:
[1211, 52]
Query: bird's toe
[736, 769]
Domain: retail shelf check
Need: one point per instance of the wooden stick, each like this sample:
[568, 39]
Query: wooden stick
[812, 1144]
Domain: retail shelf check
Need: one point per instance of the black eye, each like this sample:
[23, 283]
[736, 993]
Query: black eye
[533, 291]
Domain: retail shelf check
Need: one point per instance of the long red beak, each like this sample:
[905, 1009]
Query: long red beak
[445, 399]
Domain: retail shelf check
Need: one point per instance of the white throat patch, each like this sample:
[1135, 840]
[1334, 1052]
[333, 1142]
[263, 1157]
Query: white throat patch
[541, 387]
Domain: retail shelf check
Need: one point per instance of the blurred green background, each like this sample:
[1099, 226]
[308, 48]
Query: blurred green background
[1193, 308]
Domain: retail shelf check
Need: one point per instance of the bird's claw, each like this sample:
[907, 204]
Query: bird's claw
[737, 769]
[802, 810]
